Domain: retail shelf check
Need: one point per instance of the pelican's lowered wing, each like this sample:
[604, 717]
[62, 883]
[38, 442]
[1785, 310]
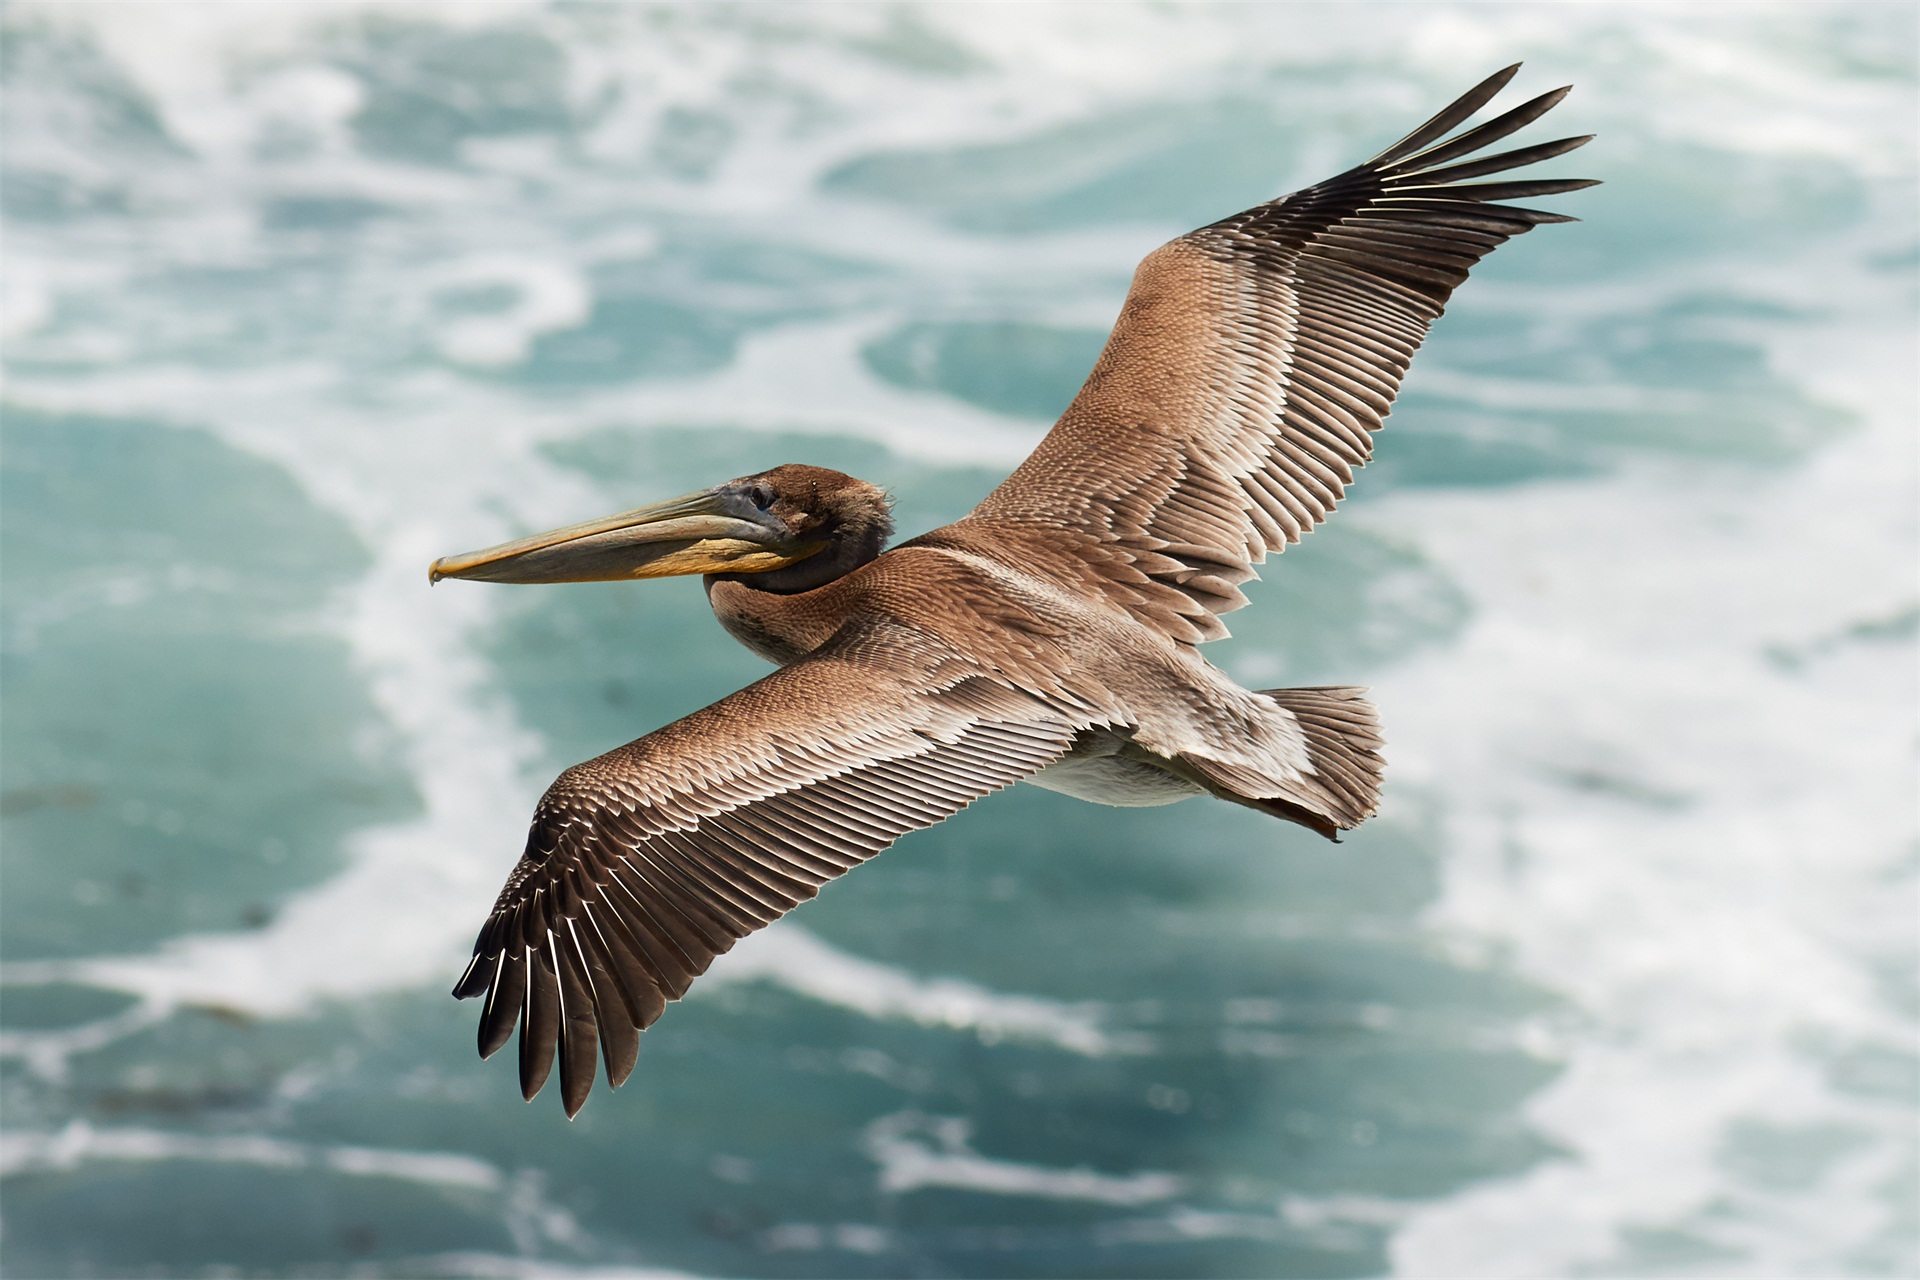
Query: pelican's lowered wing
[646, 863]
[1255, 358]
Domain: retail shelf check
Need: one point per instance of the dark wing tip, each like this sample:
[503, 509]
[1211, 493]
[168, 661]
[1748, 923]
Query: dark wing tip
[1499, 163]
[533, 1075]
[1478, 137]
[492, 1040]
[474, 981]
[579, 1034]
[1495, 82]
[539, 1026]
[1454, 113]
[505, 996]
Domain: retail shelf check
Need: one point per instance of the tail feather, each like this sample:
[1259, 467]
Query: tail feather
[1340, 788]
[1343, 741]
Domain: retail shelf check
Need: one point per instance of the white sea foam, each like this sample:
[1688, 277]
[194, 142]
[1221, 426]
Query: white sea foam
[852, 1237]
[545, 296]
[47, 1053]
[1334, 1223]
[535, 1222]
[497, 1266]
[79, 1143]
[810, 378]
[915, 1151]
[25, 299]
[791, 957]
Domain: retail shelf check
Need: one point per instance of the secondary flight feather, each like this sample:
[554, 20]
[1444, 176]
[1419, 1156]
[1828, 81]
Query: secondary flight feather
[1049, 636]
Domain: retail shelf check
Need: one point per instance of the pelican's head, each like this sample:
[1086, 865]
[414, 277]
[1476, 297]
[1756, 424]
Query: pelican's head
[791, 528]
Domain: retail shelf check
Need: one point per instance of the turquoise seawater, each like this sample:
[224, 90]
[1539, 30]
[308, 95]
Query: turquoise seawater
[1622, 980]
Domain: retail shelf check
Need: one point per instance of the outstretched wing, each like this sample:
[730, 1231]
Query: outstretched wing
[646, 863]
[1255, 358]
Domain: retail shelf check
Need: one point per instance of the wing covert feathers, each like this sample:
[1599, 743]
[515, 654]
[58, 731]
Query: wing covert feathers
[1255, 358]
[646, 863]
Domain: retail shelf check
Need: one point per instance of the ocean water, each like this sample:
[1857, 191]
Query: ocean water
[1622, 980]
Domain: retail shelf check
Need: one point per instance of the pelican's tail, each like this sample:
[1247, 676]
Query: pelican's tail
[1342, 788]
[1343, 741]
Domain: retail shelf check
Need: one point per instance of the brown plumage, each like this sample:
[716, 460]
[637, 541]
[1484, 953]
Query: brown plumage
[1048, 637]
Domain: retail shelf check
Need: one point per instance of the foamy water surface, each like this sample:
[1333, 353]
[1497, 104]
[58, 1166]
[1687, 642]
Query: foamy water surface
[1622, 980]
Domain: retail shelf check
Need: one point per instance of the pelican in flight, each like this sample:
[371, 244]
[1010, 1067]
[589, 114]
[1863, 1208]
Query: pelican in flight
[1051, 636]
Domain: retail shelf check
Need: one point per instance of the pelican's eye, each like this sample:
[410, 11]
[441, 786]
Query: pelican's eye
[761, 496]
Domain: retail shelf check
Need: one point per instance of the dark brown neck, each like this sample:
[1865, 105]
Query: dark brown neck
[781, 627]
[787, 613]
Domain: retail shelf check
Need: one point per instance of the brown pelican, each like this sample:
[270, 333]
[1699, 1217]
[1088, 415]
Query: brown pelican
[1049, 636]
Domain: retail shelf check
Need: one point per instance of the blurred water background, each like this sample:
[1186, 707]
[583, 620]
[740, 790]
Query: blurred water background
[298, 297]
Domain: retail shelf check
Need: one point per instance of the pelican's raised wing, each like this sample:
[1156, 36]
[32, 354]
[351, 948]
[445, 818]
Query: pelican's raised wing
[1255, 358]
[646, 863]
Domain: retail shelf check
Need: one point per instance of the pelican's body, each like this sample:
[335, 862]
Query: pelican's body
[1050, 636]
[1163, 723]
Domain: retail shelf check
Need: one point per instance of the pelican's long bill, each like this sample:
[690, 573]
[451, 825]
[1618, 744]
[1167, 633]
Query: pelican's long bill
[718, 530]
